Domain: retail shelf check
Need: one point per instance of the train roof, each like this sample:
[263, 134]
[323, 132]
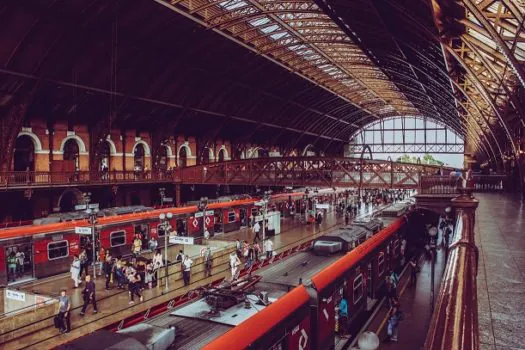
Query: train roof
[301, 266]
[349, 233]
[103, 339]
[195, 326]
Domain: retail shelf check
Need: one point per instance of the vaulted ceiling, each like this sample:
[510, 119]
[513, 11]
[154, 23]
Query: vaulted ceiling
[278, 72]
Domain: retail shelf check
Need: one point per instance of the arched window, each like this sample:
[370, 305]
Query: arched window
[140, 157]
[183, 157]
[221, 155]
[24, 155]
[71, 153]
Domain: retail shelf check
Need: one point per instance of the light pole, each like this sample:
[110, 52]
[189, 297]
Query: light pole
[93, 221]
[203, 205]
[306, 192]
[266, 199]
[432, 232]
[164, 219]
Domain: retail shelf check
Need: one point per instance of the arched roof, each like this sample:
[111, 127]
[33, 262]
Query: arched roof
[288, 73]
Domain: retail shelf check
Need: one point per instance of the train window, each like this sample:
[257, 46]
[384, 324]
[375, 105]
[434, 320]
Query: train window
[117, 238]
[358, 288]
[381, 264]
[57, 250]
[231, 216]
[254, 211]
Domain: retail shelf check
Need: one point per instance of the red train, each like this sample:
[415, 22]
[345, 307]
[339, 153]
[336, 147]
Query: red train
[48, 247]
[305, 318]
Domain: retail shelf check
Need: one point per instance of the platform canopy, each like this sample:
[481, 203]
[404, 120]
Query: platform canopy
[285, 73]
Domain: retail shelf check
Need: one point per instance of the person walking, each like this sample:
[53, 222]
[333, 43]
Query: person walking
[235, 262]
[75, 271]
[186, 269]
[63, 314]
[268, 246]
[395, 316]
[256, 229]
[89, 296]
[107, 268]
[413, 271]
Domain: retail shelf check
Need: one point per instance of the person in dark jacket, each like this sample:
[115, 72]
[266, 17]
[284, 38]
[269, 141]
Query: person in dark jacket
[107, 268]
[89, 296]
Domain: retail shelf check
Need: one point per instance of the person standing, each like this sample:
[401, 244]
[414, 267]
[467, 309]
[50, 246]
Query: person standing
[20, 257]
[107, 268]
[158, 262]
[134, 282]
[64, 306]
[137, 246]
[208, 262]
[268, 246]
[343, 316]
[11, 264]
[89, 296]
[83, 263]
[256, 229]
[75, 271]
[180, 256]
[186, 269]
[238, 247]
[413, 271]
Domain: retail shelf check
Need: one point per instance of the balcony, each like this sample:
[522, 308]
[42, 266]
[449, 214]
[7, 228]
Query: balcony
[44, 179]
[445, 185]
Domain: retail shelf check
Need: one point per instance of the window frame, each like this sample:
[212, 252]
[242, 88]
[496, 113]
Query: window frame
[380, 264]
[49, 258]
[111, 239]
[359, 286]
[234, 216]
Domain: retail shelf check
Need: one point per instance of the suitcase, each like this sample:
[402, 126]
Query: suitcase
[57, 321]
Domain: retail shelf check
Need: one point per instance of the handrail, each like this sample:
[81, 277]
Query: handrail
[454, 323]
[446, 184]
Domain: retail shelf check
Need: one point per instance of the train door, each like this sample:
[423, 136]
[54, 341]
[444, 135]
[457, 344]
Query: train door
[19, 262]
[244, 217]
[143, 231]
[369, 281]
[181, 226]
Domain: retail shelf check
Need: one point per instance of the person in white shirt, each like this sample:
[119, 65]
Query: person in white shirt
[268, 246]
[235, 262]
[186, 269]
[256, 230]
[75, 271]
[20, 257]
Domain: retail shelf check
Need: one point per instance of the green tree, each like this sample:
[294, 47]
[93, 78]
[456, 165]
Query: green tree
[427, 159]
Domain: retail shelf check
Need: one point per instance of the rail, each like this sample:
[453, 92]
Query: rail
[272, 171]
[28, 179]
[445, 184]
[454, 323]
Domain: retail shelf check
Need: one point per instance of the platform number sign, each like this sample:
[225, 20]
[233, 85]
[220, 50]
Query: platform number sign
[299, 338]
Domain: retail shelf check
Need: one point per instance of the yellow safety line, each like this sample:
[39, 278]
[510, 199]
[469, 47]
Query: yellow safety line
[388, 313]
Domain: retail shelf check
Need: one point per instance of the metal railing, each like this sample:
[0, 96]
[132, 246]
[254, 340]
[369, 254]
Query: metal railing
[24, 179]
[445, 184]
[454, 323]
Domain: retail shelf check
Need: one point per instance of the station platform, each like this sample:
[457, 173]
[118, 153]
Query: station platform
[500, 227]
[38, 331]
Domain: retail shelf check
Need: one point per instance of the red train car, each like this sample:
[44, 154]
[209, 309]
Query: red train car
[44, 250]
[305, 318]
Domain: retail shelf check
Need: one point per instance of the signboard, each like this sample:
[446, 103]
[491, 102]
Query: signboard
[167, 200]
[322, 206]
[258, 218]
[199, 215]
[181, 240]
[83, 230]
[15, 295]
[210, 212]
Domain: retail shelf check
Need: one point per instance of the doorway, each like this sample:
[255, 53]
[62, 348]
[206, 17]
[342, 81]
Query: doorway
[24, 154]
[19, 263]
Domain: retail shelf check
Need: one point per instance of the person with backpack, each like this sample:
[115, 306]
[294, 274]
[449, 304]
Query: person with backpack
[395, 316]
